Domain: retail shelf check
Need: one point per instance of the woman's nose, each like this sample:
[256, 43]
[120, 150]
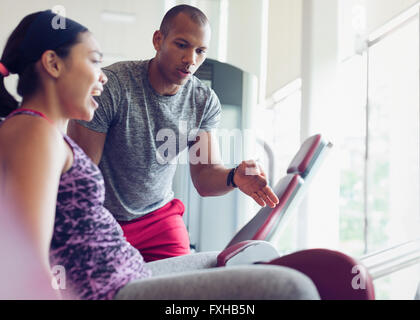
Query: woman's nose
[103, 78]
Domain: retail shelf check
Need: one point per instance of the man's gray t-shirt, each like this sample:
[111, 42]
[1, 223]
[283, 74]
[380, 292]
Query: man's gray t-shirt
[145, 134]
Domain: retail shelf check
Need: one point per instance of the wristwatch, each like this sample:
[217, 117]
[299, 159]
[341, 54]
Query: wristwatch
[229, 181]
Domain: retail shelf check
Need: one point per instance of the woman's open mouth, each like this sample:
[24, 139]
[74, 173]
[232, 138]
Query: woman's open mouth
[95, 93]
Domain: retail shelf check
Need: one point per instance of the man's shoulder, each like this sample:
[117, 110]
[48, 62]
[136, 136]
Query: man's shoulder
[122, 68]
[201, 88]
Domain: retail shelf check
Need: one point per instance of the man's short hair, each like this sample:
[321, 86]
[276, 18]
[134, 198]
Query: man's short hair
[195, 14]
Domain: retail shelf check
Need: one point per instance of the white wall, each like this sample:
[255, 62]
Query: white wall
[379, 12]
[119, 40]
[245, 43]
[284, 43]
[252, 26]
[245, 38]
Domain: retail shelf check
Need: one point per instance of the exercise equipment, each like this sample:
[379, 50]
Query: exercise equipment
[290, 190]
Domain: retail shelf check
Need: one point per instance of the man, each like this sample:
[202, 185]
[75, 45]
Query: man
[142, 102]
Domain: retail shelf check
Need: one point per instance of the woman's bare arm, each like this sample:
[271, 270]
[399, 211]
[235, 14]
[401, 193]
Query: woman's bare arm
[33, 155]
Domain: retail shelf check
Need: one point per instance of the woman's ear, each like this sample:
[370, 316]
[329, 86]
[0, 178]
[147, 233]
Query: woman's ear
[51, 63]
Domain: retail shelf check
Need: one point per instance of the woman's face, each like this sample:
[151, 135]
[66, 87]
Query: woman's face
[82, 80]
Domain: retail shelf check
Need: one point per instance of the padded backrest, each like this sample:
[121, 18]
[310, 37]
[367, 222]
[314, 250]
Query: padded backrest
[309, 156]
[290, 190]
[265, 222]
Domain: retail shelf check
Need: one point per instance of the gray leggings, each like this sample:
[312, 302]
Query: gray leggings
[195, 277]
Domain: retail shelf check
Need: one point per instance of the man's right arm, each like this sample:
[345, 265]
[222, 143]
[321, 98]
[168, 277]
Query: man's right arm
[90, 141]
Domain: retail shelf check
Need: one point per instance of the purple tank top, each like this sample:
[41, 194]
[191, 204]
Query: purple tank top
[87, 240]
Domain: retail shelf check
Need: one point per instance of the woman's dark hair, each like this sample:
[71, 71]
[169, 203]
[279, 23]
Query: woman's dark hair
[12, 59]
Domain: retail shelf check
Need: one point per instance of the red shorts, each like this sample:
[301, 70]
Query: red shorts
[159, 234]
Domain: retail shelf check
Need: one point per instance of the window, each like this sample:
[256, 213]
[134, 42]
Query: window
[379, 187]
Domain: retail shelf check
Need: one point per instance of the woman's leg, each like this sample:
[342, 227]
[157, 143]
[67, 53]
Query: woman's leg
[192, 277]
[191, 262]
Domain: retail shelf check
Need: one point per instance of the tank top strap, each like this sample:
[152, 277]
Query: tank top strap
[35, 113]
[73, 145]
[28, 112]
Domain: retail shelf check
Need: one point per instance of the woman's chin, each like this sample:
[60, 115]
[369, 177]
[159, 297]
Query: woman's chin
[89, 110]
[89, 116]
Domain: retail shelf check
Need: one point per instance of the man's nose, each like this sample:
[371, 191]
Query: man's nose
[190, 57]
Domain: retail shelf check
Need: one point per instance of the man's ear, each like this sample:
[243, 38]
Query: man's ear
[51, 63]
[157, 40]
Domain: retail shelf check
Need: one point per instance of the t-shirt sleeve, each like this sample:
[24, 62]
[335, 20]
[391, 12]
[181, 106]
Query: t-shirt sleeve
[109, 102]
[212, 114]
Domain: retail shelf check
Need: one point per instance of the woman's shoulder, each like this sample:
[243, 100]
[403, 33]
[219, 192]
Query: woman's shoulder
[29, 135]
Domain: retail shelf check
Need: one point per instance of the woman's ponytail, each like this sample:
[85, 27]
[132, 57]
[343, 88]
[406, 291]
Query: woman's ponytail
[7, 102]
[10, 60]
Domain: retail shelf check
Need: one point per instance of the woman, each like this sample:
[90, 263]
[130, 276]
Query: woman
[56, 192]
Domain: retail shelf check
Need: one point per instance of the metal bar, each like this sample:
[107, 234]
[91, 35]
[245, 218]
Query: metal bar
[398, 246]
[366, 163]
[396, 258]
[271, 159]
[376, 274]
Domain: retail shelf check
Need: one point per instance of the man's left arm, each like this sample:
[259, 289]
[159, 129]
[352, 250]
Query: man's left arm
[209, 175]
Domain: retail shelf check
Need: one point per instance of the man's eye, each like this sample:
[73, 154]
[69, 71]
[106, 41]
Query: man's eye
[201, 51]
[181, 45]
